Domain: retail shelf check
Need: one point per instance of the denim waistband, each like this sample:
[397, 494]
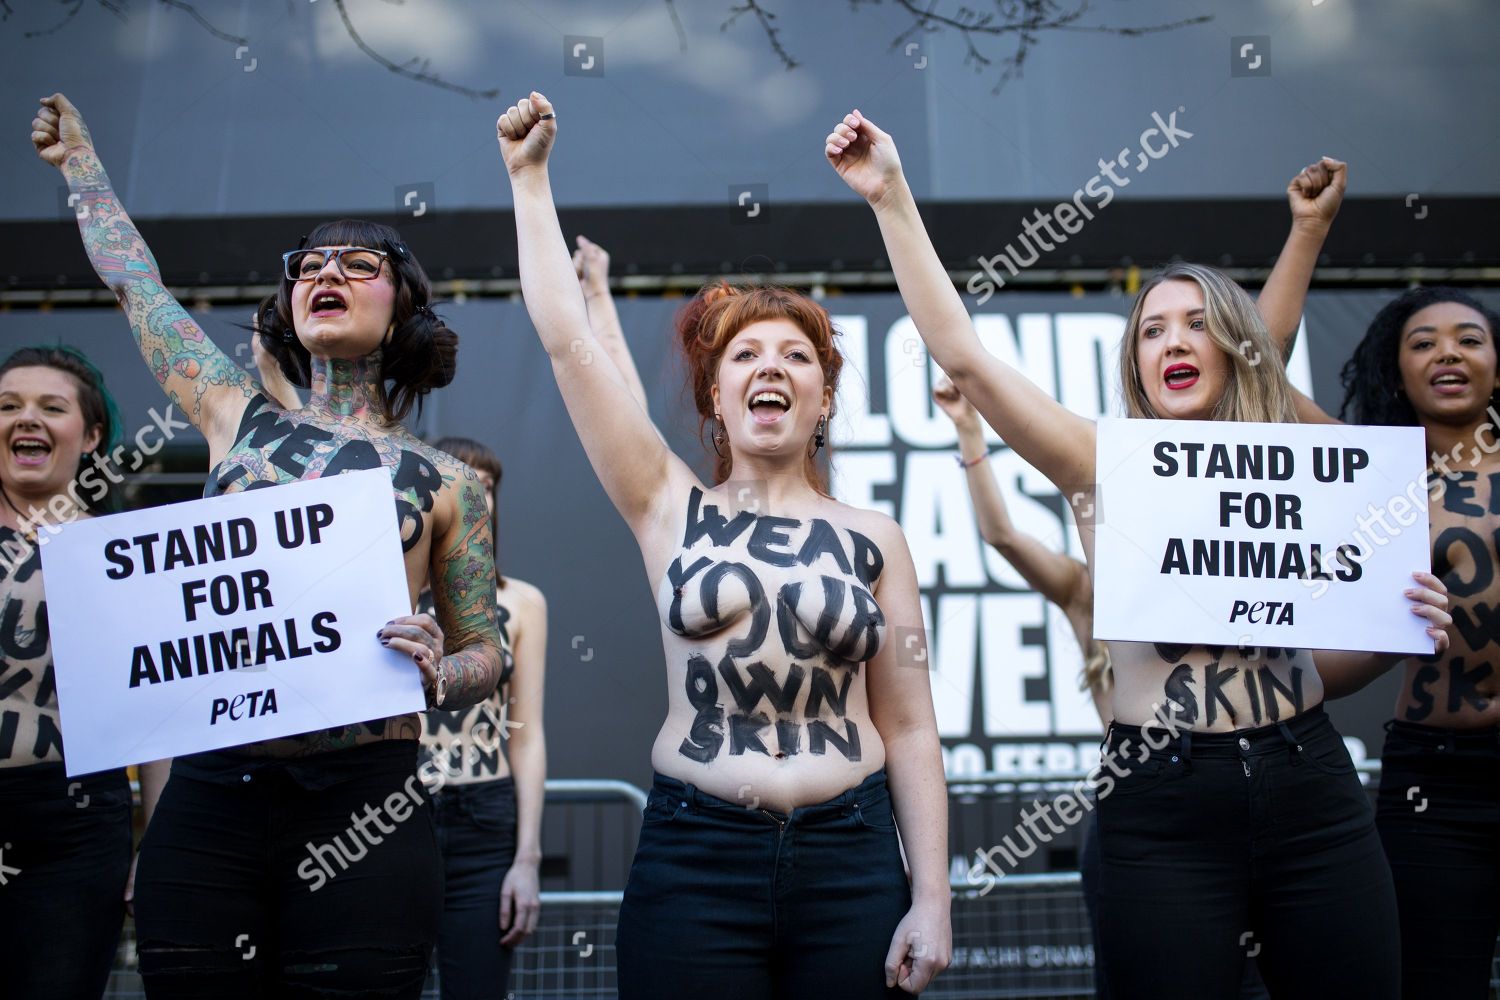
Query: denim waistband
[1276, 736]
[500, 787]
[867, 793]
[1440, 738]
[50, 779]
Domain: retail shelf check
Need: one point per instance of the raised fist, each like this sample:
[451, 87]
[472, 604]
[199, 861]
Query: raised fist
[58, 129]
[864, 156]
[953, 402]
[526, 136]
[1316, 193]
[591, 262]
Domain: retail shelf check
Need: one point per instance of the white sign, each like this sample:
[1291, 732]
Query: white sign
[225, 621]
[1293, 535]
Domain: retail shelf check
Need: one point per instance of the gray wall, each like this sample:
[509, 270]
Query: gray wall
[1406, 91]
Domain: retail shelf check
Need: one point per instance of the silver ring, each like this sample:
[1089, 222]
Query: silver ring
[547, 116]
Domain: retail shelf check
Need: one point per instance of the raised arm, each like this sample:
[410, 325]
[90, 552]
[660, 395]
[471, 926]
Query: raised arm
[628, 455]
[1055, 575]
[591, 264]
[1315, 195]
[1042, 431]
[199, 378]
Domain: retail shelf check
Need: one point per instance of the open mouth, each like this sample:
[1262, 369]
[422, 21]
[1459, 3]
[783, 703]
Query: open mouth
[1449, 383]
[1180, 376]
[769, 405]
[30, 451]
[326, 303]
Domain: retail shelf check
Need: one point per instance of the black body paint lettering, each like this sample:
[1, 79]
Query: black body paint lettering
[1213, 691]
[1458, 497]
[1443, 569]
[677, 576]
[10, 621]
[868, 562]
[789, 625]
[760, 609]
[770, 543]
[1463, 685]
[822, 539]
[712, 523]
[703, 742]
[1179, 689]
[821, 691]
[762, 685]
[744, 733]
[1425, 677]
[820, 734]
[1271, 685]
[1480, 630]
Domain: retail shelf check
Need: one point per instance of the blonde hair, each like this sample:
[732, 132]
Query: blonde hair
[1098, 675]
[1258, 388]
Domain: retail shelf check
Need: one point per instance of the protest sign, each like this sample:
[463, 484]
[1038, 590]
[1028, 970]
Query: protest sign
[229, 620]
[1256, 534]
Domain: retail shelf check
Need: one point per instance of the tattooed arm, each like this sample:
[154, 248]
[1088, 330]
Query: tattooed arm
[463, 575]
[900, 696]
[630, 458]
[209, 387]
[1058, 442]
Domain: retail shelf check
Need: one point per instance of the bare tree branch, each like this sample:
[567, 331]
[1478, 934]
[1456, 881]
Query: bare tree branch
[59, 25]
[765, 18]
[414, 69]
[1026, 20]
[193, 13]
[676, 23]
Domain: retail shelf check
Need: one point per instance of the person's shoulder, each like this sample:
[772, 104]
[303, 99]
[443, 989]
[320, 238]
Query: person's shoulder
[882, 529]
[517, 595]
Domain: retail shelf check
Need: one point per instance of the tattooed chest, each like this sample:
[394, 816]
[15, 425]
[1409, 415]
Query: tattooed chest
[274, 447]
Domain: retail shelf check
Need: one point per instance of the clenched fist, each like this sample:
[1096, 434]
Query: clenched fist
[526, 136]
[864, 156]
[58, 129]
[1316, 193]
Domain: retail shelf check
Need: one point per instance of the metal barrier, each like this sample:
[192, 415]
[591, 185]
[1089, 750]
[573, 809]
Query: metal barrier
[1027, 937]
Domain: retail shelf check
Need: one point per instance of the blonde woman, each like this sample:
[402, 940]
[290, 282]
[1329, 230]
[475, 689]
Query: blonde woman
[1249, 831]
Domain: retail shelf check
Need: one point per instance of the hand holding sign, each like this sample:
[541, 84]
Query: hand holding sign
[1432, 604]
[419, 637]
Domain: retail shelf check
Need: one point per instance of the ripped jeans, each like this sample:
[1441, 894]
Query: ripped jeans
[308, 877]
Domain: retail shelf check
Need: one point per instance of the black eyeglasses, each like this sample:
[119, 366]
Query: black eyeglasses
[354, 263]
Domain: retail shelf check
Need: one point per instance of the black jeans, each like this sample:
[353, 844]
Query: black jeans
[309, 877]
[64, 856]
[734, 903]
[1439, 818]
[1259, 842]
[476, 830]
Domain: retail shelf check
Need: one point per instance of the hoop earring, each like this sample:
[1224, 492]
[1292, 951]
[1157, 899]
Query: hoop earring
[718, 436]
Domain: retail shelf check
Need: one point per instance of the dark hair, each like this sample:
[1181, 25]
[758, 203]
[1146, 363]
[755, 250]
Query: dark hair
[480, 458]
[420, 353]
[710, 320]
[98, 411]
[1373, 393]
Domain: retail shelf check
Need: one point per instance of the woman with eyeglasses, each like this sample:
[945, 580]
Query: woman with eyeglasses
[229, 901]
